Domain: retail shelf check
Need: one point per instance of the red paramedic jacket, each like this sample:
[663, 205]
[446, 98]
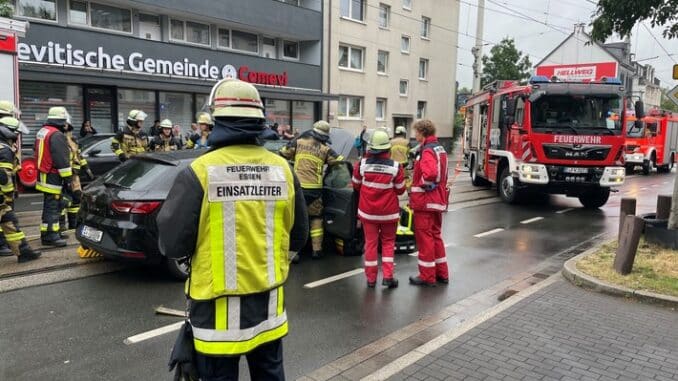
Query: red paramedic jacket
[429, 180]
[379, 181]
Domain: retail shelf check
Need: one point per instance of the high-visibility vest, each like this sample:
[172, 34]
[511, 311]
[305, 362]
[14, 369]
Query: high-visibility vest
[400, 150]
[49, 173]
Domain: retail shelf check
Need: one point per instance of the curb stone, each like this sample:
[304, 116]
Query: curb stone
[578, 278]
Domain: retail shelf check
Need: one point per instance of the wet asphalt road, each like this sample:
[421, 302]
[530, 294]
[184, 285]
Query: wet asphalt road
[75, 330]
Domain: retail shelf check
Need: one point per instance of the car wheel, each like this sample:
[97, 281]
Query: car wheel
[595, 199]
[177, 268]
[508, 187]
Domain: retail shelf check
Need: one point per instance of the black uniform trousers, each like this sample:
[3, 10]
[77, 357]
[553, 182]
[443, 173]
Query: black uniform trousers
[265, 363]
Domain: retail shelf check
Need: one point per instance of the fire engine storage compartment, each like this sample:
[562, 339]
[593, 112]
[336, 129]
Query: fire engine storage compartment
[657, 232]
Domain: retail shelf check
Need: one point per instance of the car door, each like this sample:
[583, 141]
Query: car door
[101, 158]
[340, 201]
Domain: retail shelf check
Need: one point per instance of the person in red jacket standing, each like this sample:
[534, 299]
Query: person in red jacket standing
[379, 181]
[428, 200]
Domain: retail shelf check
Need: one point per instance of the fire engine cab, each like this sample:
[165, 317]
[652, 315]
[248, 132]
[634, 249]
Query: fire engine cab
[547, 137]
[651, 141]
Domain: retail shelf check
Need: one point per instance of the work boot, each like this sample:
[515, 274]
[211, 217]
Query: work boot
[316, 254]
[417, 281]
[26, 253]
[442, 280]
[391, 283]
[72, 221]
[63, 234]
[52, 239]
[371, 284]
[5, 251]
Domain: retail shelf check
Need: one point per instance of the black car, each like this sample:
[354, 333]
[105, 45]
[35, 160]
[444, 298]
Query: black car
[96, 149]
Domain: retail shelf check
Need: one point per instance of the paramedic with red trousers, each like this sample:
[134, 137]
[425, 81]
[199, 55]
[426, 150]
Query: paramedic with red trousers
[379, 181]
[428, 200]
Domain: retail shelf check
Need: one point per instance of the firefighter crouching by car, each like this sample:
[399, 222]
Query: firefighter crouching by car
[165, 141]
[428, 200]
[238, 211]
[206, 124]
[379, 180]
[16, 239]
[310, 152]
[79, 165]
[7, 109]
[131, 140]
[54, 172]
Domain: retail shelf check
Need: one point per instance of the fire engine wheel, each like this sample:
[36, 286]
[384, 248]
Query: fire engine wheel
[475, 179]
[649, 165]
[630, 168]
[595, 199]
[508, 190]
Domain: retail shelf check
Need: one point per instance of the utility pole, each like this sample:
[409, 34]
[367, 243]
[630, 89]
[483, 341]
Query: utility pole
[478, 49]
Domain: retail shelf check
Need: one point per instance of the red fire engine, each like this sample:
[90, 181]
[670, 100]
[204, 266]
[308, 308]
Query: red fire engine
[652, 142]
[548, 137]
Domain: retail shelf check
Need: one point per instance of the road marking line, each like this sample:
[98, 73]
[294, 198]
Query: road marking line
[493, 231]
[564, 211]
[655, 185]
[531, 220]
[416, 253]
[665, 182]
[36, 203]
[331, 279]
[644, 188]
[153, 333]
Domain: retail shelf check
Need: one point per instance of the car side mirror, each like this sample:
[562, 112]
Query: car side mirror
[94, 153]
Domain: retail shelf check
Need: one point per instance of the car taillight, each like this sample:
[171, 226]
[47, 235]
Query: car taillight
[135, 207]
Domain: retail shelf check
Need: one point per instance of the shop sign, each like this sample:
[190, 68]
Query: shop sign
[60, 55]
[579, 72]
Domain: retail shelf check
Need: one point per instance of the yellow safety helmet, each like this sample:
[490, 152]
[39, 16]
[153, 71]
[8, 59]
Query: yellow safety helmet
[380, 141]
[400, 130]
[7, 108]
[137, 115]
[14, 124]
[59, 113]
[322, 127]
[166, 123]
[205, 118]
[235, 98]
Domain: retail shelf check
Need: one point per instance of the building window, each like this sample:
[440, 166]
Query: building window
[224, 38]
[423, 68]
[350, 57]
[407, 4]
[278, 111]
[421, 110]
[303, 115]
[382, 62]
[291, 49]
[246, 42]
[384, 15]
[78, 13]
[38, 97]
[112, 18]
[405, 44]
[129, 99]
[425, 27]
[177, 107]
[269, 47]
[189, 31]
[404, 87]
[352, 9]
[149, 27]
[350, 107]
[381, 109]
[37, 9]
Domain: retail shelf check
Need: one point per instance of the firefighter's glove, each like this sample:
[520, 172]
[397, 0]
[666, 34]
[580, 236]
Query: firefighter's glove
[122, 157]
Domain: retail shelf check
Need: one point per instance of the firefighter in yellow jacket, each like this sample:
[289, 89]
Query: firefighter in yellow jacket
[9, 133]
[238, 212]
[79, 166]
[165, 141]
[131, 140]
[7, 109]
[310, 152]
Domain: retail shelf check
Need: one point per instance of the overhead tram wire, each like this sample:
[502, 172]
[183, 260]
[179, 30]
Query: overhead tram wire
[659, 43]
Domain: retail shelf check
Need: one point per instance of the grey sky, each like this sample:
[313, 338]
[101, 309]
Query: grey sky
[538, 39]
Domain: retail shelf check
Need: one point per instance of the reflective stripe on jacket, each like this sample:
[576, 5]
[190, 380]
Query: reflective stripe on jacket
[7, 159]
[129, 143]
[310, 156]
[51, 148]
[379, 180]
[429, 180]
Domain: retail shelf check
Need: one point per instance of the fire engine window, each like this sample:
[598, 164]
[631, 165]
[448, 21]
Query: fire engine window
[520, 111]
[577, 112]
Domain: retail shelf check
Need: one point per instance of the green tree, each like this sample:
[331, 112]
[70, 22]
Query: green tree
[505, 62]
[620, 16]
[6, 8]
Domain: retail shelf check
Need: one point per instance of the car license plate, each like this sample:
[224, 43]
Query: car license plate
[576, 170]
[91, 234]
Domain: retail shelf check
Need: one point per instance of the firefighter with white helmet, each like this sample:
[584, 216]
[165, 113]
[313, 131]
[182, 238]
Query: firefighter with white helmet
[310, 152]
[165, 141]
[200, 140]
[131, 140]
[6, 109]
[400, 146]
[54, 172]
[238, 212]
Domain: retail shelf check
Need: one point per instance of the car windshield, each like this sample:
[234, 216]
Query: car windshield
[579, 114]
[141, 175]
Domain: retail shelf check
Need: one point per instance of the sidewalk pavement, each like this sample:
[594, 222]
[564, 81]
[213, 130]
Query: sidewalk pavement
[561, 332]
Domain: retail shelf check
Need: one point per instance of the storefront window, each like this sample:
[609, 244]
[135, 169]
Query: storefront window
[302, 115]
[38, 97]
[177, 107]
[107, 17]
[277, 111]
[129, 99]
[201, 102]
[39, 9]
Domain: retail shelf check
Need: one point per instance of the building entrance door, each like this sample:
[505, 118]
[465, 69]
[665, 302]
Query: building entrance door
[402, 121]
[100, 109]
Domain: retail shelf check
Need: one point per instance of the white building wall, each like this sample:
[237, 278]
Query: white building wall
[437, 91]
[575, 50]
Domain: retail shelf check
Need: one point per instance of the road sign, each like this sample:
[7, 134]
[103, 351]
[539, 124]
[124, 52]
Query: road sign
[675, 71]
[673, 95]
